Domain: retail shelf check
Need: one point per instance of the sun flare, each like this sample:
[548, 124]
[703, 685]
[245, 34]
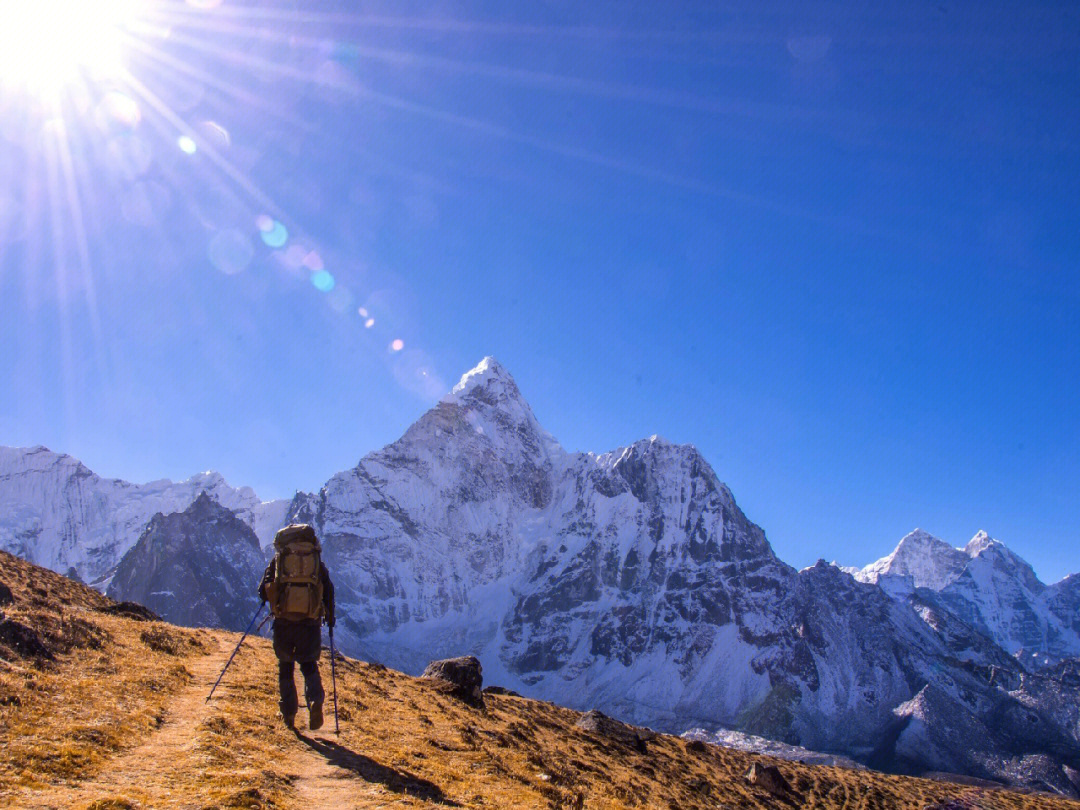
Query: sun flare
[46, 45]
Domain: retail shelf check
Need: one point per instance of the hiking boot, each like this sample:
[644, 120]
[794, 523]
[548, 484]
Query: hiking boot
[289, 720]
[315, 715]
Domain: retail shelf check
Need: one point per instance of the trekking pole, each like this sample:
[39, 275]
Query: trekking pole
[333, 678]
[234, 652]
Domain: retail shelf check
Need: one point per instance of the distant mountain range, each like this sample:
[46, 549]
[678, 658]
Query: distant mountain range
[628, 581]
[990, 588]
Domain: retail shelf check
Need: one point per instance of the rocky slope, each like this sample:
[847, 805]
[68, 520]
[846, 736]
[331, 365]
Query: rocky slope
[631, 581]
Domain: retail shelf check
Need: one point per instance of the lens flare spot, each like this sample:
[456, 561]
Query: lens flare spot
[397, 345]
[187, 145]
[273, 233]
[119, 108]
[363, 312]
[215, 134]
[340, 299]
[370, 322]
[294, 256]
[313, 261]
[231, 252]
[322, 281]
[809, 48]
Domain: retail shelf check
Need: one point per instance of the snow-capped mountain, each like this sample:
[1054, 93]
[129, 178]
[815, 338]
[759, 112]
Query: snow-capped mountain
[630, 581]
[989, 587]
[57, 513]
[929, 562]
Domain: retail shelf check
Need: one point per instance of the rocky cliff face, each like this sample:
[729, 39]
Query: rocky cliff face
[631, 582]
[199, 567]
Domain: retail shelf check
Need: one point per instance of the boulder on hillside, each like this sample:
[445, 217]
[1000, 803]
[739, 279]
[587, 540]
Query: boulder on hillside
[463, 674]
[131, 610]
[599, 723]
[769, 778]
[23, 641]
[500, 690]
[6, 596]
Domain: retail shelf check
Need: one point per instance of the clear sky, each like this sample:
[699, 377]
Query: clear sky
[835, 246]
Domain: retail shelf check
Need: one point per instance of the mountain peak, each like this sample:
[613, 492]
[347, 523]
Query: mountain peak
[488, 373]
[489, 404]
[929, 561]
[984, 549]
[918, 538]
[980, 543]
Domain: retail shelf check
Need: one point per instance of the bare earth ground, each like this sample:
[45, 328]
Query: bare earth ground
[118, 720]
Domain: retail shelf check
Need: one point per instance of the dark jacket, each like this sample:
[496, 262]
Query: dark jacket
[327, 590]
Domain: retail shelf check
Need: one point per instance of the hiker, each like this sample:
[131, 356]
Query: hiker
[301, 596]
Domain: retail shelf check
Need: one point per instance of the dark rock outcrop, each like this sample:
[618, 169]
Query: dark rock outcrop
[23, 641]
[464, 674]
[500, 690]
[769, 778]
[199, 568]
[131, 610]
[599, 723]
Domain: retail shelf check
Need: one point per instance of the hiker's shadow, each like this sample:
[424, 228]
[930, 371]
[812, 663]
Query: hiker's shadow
[372, 771]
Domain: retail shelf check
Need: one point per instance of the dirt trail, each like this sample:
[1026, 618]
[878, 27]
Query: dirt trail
[323, 773]
[328, 775]
[144, 770]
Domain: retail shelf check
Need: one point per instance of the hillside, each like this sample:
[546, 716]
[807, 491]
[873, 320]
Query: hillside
[103, 709]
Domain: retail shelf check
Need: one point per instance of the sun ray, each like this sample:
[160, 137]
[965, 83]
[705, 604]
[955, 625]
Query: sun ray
[503, 132]
[169, 62]
[544, 80]
[59, 234]
[78, 224]
[264, 66]
[481, 27]
[227, 168]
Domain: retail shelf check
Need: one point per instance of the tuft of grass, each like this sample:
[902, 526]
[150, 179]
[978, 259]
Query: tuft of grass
[110, 804]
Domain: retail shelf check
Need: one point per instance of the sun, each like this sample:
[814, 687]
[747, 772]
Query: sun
[46, 45]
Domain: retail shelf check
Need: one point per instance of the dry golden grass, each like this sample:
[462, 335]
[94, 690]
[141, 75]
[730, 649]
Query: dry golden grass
[125, 726]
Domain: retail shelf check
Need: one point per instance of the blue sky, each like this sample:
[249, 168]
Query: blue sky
[836, 248]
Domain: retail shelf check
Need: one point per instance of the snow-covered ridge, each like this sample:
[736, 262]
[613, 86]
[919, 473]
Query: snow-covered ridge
[929, 561]
[988, 586]
[56, 512]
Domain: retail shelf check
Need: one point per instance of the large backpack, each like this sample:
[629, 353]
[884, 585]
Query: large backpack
[296, 591]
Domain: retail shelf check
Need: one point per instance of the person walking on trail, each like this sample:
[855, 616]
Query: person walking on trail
[301, 596]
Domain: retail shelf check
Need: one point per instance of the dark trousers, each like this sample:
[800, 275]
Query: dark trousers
[313, 690]
[300, 643]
